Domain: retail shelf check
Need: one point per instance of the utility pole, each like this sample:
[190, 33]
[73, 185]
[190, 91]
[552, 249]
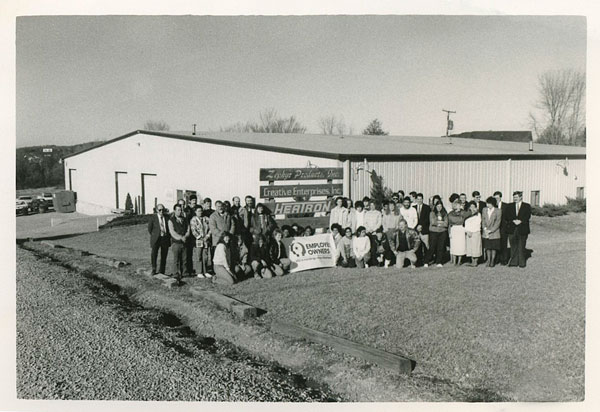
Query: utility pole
[449, 124]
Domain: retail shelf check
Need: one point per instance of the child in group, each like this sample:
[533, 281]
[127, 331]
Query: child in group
[199, 226]
[280, 263]
[356, 217]
[346, 258]
[361, 246]
[337, 237]
[381, 252]
[241, 266]
[287, 231]
[259, 258]
[222, 261]
[297, 230]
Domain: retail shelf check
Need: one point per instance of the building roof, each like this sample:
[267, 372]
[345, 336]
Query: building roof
[373, 147]
[504, 135]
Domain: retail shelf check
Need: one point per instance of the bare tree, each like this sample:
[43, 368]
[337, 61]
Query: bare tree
[156, 125]
[269, 122]
[560, 115]
[333, 125]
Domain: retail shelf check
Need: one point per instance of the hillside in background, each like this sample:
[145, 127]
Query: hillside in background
[41, 166]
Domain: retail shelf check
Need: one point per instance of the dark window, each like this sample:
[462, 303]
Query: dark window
[535, 198]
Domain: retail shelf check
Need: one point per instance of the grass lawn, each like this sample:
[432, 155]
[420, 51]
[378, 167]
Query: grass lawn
[517, 332]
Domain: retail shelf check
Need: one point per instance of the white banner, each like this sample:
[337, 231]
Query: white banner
[310, 252]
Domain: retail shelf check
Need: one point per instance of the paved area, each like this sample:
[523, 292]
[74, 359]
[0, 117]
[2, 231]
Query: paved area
[54, 224]
[78, 339]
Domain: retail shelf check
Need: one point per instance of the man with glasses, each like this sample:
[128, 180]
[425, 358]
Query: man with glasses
[159, 239]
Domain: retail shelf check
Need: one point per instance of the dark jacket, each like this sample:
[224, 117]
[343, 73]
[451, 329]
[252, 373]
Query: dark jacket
[481, 205]
[524, 216]
[412, 238]
[262, 224]
[277, 251]
[504, 223]
[154, 229]
[377, 246]
[259, 253]
[423, 218]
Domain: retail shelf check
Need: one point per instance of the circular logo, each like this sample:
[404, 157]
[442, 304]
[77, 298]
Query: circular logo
[298, 249]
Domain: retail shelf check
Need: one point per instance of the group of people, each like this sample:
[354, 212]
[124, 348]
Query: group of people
[233, 241]
[406, 231]
[227, 243]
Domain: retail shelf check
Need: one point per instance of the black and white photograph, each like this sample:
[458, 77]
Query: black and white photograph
[300, 207]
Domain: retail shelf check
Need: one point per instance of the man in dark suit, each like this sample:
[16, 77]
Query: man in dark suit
[159, 238]
[477, 199]
[503, 256]
[189, 212]
[423, 211]
[518, 215]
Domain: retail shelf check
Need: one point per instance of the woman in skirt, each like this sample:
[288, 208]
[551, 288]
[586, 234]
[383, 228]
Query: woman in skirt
[491, 219]
[456, 220]
[473, 231]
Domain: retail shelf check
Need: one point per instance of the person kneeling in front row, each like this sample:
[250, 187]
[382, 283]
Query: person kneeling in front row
[259, 257]
[381, 252]
[407, 244]
[280, 263]
[361, 246]
[222, 261]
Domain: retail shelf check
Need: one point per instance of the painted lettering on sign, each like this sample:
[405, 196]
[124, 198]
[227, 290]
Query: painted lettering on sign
[309, 173]
[267, 192]
[287, 208]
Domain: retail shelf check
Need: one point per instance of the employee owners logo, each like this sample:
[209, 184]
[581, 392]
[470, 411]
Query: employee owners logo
[298, 249]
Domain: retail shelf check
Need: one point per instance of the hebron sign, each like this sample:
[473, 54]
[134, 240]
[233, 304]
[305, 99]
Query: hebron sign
[308, 173]
[267, 192]
[310, 252]
[288, 208]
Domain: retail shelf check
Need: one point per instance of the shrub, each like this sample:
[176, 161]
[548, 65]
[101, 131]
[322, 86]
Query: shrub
[128, 203]
[549, 210]
[126, 220]
[576, 205]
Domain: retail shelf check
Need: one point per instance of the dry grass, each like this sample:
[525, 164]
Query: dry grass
[518, 333]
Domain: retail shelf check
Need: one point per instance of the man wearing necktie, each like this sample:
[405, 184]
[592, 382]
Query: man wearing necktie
[159, 239]
[423, 213]
[518, 215]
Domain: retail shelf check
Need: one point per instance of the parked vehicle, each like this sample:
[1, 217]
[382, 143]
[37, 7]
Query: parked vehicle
[22, 207]
[46, 201]
[26, 198]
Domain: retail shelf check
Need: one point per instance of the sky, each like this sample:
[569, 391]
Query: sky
[87, 78]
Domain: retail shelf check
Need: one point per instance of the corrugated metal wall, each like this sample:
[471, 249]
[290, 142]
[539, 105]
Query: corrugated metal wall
[487, 176]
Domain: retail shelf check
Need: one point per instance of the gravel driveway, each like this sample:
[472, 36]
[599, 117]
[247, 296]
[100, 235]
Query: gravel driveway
[78, 339]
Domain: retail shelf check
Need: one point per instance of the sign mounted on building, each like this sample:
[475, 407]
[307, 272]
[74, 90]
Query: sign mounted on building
[310, 252]
[267, 192]
[309, 173]
[288, 208]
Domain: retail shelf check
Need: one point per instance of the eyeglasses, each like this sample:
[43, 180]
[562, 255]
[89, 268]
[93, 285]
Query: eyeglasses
[160, 210]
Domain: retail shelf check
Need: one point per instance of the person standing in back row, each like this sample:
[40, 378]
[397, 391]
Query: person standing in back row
[408, 213]
[423, 214]
[179, 231]
[503, 255]
[518, 215]
[219, 222]
[159, 239]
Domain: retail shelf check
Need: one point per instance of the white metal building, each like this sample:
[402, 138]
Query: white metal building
[160, 166]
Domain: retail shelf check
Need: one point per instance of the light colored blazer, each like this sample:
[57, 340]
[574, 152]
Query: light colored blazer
[491, 223]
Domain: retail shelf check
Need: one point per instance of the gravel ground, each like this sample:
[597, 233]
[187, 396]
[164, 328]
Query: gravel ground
[77, 338]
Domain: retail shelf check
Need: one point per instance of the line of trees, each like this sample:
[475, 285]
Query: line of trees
[269, 121]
